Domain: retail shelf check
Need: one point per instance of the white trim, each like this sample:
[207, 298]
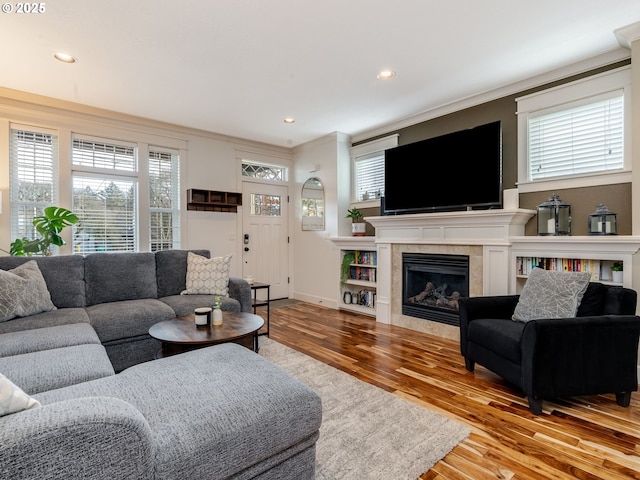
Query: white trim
[374, 146]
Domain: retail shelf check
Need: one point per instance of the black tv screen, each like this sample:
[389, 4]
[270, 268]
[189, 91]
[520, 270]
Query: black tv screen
[457, 171]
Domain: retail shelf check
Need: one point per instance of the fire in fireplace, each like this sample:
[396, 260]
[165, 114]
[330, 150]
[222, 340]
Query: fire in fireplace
[432, 284]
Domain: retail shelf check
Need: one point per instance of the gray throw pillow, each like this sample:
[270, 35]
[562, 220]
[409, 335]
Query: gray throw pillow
[551, 294]
[23, 292]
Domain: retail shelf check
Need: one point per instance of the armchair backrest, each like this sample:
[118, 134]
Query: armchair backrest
[601, 299]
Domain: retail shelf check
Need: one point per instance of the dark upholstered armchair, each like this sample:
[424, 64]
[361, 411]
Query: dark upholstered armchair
[592, 353]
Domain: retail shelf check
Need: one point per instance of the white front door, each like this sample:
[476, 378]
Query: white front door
[265, 236]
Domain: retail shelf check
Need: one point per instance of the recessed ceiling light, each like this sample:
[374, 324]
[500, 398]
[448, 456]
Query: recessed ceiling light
[289, 120]
[65, 57]
[386, 74]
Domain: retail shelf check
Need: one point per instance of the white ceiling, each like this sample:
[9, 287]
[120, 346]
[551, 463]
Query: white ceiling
[239, 67]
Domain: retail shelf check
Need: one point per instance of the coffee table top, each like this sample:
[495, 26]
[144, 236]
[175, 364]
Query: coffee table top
[183, 330]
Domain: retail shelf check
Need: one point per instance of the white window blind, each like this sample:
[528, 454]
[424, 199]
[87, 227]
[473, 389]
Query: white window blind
[87, 153]
[369, 176]
[33, 158]
[583, 139]
[164, 200]
[106, 209]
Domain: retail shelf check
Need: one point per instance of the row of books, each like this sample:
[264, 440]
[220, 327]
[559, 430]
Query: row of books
[524, 265]
[366, 257]
[362, 273]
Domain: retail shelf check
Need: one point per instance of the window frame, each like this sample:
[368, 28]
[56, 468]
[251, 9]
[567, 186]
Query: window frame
[566, 96]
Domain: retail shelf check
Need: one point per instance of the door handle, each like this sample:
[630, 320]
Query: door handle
[246, 249]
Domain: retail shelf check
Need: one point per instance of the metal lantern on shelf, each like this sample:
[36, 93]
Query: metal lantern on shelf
[603, 221]
[554, 217]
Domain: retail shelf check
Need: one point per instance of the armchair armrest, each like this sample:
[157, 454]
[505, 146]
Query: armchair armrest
[474, 308]
[84, 438]
[580, 356]
[241, 291]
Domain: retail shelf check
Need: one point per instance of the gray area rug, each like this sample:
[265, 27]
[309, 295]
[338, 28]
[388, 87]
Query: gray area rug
[367, 433]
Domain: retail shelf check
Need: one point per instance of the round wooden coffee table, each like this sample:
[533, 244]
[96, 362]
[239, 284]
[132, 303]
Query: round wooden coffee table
[180, 334]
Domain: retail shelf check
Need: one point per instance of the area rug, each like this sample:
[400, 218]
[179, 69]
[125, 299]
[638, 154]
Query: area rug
[367, 433]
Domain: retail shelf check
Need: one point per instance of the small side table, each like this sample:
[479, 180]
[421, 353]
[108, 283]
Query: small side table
[255, 286]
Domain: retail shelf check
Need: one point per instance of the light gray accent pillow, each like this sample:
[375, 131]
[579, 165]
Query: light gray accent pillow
[551, 294]
[207, 276]
[13, 399]
[23, 292]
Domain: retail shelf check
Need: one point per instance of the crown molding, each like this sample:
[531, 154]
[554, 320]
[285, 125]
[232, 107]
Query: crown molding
[628, 34]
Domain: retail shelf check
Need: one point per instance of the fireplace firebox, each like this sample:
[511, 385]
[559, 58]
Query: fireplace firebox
[432, 284]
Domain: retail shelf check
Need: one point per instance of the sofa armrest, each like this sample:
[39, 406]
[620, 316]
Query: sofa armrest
[84, 438]
[474, 308]
[580, 356]
[241, 291]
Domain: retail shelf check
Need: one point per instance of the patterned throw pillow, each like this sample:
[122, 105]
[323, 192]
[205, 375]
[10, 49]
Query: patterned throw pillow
[23, 292]
[551, 294]
[13, 399]
[207, 276]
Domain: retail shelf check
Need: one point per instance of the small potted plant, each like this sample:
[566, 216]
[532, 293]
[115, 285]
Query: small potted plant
[358, 225]
[616, 272]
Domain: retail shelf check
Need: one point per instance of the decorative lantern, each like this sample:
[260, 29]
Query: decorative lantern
[603, 221]
[554, 217]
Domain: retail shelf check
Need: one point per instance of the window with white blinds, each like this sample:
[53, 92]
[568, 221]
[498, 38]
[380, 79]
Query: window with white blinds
[33, 158]
[576, 135]
[584, 139]
[369, 176]
[164, 199]
[368, 168]
[105, 203]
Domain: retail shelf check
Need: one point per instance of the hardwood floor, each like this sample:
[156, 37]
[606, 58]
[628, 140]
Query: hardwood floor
[584, 437]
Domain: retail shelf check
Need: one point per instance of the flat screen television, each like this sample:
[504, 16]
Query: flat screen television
[457, 171]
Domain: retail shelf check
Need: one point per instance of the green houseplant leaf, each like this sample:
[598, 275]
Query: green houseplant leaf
[48, 225]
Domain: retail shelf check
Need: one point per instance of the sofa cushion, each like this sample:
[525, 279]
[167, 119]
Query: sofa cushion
[171, 270]
[127, 319]
[551, 294]
[23, 292]
[13, 399]
[112, 277]
[69, 293]
[207, 276]
[37, 372]
[61, 316]
[498, 335]
[16, 343]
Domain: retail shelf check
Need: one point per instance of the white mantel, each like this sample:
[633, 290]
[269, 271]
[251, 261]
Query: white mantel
[476, 227]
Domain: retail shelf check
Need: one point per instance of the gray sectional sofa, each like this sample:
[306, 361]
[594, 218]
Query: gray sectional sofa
[220, 412]
[120, 295]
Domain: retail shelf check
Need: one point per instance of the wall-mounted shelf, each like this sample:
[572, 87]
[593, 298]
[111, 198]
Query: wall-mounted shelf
[213, 200]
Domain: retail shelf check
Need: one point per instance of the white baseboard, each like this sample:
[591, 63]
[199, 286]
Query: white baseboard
[327, 302]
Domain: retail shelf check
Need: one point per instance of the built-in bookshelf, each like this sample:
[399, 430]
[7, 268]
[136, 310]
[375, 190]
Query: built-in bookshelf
[596, 255]
[358, 275]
